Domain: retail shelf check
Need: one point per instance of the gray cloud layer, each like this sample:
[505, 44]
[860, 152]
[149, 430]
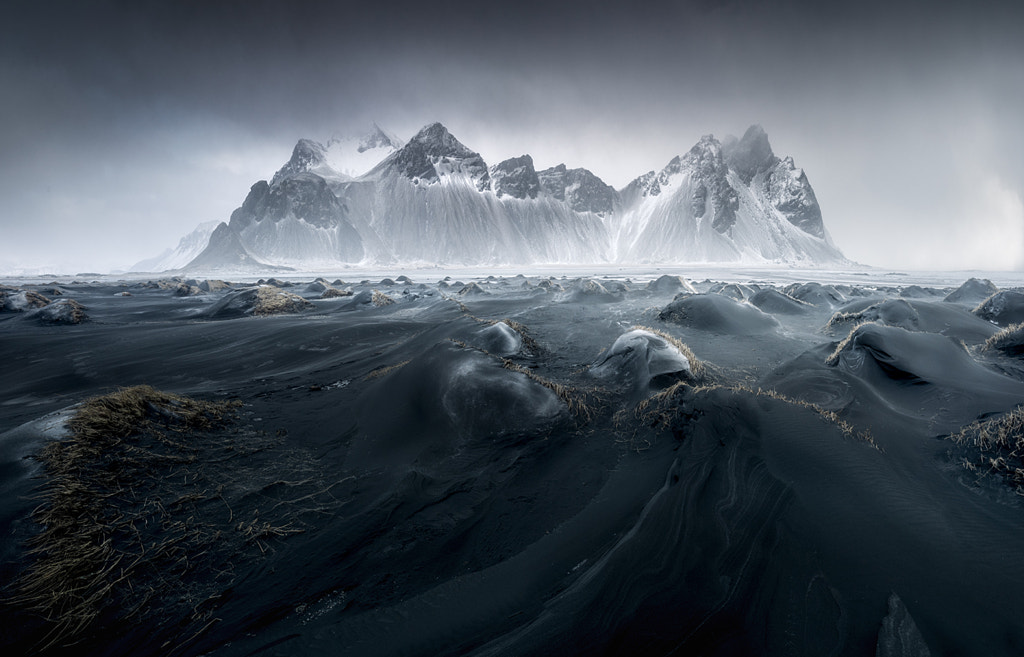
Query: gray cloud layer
[128, 123]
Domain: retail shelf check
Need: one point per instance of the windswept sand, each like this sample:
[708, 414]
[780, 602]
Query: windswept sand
[516, 465]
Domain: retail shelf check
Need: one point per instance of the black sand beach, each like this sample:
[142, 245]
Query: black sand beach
[511, 466]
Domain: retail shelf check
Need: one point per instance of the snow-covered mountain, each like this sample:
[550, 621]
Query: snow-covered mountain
[433, 200]
[738, 203]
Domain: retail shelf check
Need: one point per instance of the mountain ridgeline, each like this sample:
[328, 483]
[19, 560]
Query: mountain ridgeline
[432, 201]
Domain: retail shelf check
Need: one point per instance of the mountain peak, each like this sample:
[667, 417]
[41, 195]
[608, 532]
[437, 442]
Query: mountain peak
[515, 177]
[751, 154]
[307, 155]
[433, 152]
[580, 188]
[378, 138]
[435, 133]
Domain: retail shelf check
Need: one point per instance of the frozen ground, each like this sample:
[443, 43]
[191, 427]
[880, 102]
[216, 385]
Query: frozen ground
[489, 463]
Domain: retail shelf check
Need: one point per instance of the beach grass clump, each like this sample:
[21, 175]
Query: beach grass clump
[661, 410]
[273, 301]
[92, 498]
[833, 358]
[1009, 340]
[1000, 444]
[335, 293]
[839, 319]
[384, 371]
[147, 509]
[380, 299]
[578, 403]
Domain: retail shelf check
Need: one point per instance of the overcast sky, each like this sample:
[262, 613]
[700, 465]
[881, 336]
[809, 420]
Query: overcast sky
[123, 125]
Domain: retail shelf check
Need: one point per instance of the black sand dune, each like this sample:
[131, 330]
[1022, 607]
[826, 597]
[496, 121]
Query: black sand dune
[718, 313]
[530, 467]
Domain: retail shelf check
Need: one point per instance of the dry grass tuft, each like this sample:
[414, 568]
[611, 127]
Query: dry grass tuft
[273, 301]
[660, 410]
[833, 358]
[78, 565]
[384, 371]
[1000, 441]
[839, 319]
[380, 299]
[462, 307]
[334, 293]
[1009, 340]
[136, 506]
[578, 404]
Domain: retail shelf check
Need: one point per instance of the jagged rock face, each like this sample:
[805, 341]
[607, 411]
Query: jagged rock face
[710, 189]
[705, 159]
[433, 153]
[750, 155]
[306, 156]
[789, 192]
[304, 196]
[784, 185]
[515, 177]
[270, 222]
[581, 189]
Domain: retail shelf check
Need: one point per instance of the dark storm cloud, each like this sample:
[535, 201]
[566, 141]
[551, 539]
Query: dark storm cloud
[147, 109]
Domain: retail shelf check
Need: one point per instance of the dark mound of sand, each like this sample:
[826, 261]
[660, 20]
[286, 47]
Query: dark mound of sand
[735, 291]
[973, 291]
[914, 370]
[472, 290]
[257, 301]
[447, 388]
[1003, 308]
[22, 300]
[666, 284]
[587, 290]
[714, 312]
[499, 339]
[918, 292]
[62, 311]
[642, 356]
[775, 302]
[816, 294]
[913, 315]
